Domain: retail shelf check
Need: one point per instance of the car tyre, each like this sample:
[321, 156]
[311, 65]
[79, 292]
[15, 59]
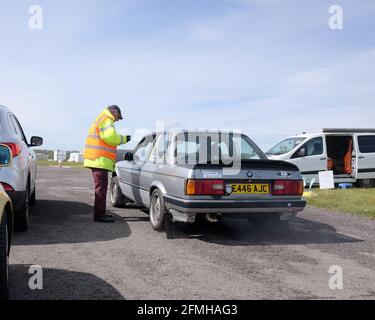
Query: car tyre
[33, 198]
[157, 211]
[4, 264]
[117, 198]
[22, 216]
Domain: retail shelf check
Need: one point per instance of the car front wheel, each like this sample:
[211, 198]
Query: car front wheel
[4, 258]
[118, 199]
[157, 211]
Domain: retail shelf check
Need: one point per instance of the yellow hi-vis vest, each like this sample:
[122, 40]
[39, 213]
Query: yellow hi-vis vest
[101, 143]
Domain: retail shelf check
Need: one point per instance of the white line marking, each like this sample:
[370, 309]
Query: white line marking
[351, 236]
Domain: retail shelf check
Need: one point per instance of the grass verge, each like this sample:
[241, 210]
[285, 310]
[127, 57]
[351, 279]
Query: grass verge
[357, 201]
[55, 163]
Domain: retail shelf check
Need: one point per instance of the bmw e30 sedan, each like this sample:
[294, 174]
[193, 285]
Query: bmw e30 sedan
[211, 174]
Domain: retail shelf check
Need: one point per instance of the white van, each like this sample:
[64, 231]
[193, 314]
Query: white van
[349, 153]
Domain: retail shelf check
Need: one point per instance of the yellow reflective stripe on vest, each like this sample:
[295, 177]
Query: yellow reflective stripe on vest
[106, 128]
[88, 146]
[93, 136]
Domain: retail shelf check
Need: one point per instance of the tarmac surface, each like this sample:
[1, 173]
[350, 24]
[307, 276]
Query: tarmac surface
[81, 259]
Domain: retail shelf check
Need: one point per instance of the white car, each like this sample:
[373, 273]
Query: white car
[18, 179]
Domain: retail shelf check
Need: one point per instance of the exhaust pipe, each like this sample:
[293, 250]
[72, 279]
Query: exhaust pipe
[213, 217]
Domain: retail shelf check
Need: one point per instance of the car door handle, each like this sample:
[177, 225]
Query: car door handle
[323, 158]
[361, 157]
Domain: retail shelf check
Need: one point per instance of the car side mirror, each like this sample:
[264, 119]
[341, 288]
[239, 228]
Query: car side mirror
[129, 156]
[302, 153]
[36, 141]
[5, 156]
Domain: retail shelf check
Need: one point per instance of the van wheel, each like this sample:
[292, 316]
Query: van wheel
[118, 199]
[4, 271]
[21, 217]
[157, 211]
[366, 183]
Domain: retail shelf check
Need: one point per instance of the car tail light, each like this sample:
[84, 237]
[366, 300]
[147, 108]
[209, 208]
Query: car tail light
[15, 147]
[288, 187]
[205, 187]
[7, 187]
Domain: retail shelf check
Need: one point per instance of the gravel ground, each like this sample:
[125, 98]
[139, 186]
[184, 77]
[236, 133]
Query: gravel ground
[128, 260]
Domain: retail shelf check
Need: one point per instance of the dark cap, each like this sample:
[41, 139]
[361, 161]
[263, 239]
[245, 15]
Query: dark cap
[115, 108]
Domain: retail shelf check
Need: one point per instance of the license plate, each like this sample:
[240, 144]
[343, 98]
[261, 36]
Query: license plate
[250, 188]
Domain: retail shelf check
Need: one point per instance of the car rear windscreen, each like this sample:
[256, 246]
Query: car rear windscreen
[194, 148]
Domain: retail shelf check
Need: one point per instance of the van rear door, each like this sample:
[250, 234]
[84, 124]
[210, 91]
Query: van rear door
[366, 156]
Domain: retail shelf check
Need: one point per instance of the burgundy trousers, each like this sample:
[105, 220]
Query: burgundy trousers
[101, 187]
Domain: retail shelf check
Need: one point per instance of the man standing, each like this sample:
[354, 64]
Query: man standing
[100, 156]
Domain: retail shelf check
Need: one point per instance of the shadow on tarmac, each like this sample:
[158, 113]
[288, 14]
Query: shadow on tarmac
[236, 232]
[56, 221]
[59, 285]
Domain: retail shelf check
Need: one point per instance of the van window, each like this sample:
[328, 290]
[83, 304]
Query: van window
[285, 146]
[366, 144]
[313, 147]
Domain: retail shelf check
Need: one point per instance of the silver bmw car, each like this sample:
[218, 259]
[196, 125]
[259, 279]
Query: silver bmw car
[188, 175]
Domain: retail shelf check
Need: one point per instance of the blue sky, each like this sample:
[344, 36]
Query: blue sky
[270, 68]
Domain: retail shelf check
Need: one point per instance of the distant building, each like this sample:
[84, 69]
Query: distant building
[41, 157]
[59, 155]
[76, 157]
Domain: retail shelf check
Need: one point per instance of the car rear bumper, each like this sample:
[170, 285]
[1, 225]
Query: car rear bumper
[18, 198]
[233, 206]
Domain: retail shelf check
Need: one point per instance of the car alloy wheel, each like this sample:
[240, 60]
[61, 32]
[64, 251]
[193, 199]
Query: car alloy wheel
[114, 193]
[117, 198]
[157, 211]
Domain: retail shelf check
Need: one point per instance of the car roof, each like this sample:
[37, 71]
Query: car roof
[5, 133]
[4, 109]
[333, 131]
[194, 131]
[348, 130]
